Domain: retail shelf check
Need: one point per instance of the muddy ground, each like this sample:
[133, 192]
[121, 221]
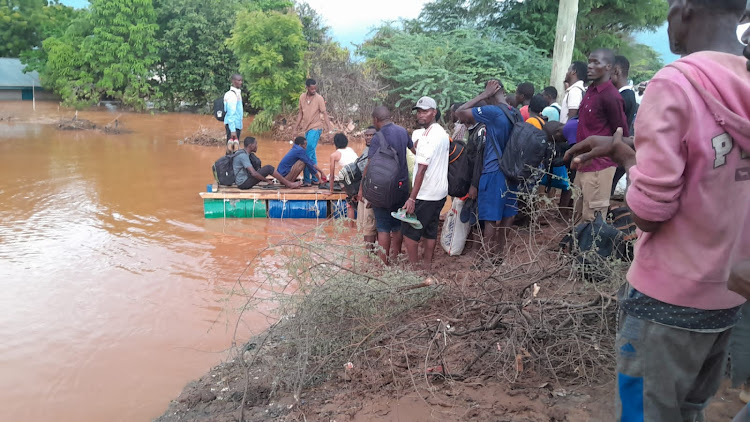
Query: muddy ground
[449, 359]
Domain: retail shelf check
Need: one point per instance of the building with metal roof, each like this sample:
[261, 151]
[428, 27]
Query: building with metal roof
[16, 85]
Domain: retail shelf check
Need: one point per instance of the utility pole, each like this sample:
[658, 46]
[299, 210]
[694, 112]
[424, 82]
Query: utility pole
[565, 39]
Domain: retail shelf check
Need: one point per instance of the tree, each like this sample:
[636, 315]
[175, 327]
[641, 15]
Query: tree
[18, 20]
[194, 61]
[122, 49]
[24, 24]
[107, 52]
[601, 23]
[53, 21]
[644, 61]
[65, 70]
[452, 66]
[351, 92]
[316, 33]
[447, 15]
[270, 46]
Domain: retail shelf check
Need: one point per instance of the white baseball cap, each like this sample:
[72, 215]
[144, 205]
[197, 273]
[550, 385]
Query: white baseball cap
[425, 103]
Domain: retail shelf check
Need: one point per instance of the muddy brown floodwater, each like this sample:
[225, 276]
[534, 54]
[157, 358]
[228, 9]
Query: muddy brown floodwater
[114, 288]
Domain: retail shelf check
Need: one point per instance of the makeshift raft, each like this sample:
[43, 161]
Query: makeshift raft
[270, 201]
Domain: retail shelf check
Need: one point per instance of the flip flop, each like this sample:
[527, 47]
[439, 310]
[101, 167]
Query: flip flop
[410, 219]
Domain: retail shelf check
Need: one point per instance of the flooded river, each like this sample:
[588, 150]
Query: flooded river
[114, 288]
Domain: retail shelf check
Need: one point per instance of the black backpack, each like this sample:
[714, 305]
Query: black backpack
[351, 177]
[459, 171]
[526, 150]
[223, 170]
[382, 188]
[594, 243]
[219, 109]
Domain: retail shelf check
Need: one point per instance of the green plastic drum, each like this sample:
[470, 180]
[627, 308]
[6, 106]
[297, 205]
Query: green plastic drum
[234, 208]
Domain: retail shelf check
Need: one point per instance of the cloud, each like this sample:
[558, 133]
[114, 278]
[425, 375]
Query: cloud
[352, 20]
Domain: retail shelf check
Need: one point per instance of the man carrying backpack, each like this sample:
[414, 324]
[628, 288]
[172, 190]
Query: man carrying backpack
[388, 180]
[497, 204]
[690, 197]
[248, 171]
[233, 113]
[430, 183]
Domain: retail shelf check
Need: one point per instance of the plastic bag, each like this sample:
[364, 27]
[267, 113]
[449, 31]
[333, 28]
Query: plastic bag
[453, 237]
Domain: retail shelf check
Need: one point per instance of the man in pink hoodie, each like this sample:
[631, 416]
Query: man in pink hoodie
[690, 197]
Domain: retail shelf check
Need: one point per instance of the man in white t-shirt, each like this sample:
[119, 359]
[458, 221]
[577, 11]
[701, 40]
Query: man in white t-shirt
[430, 187]
[576, 77]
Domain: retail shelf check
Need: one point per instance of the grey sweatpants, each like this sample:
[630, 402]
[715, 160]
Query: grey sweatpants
[666, 374]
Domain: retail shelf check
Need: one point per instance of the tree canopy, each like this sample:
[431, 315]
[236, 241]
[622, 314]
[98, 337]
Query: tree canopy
[194, 59]
[270, 47]
[452, 65]
[600, 23]
[109, 52]
[24, 24]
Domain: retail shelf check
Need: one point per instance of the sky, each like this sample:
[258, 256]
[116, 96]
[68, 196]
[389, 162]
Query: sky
[352, 20]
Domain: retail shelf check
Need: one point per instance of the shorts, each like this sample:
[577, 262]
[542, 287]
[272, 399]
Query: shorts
[595, 188]
[428, 213]
[366, 219]
[559, 179]
[494, 200]
[384, 221]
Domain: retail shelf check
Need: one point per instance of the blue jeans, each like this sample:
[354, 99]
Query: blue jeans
[312, 136]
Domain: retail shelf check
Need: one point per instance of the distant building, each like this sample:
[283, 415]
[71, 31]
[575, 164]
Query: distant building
[16, 85]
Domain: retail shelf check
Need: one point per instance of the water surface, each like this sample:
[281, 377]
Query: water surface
[114, 286]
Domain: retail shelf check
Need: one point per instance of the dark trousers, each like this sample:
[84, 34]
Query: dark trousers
[229, 132]
[264, 171]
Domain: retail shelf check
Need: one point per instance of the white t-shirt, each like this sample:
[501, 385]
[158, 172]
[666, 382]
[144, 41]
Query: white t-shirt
[572, 100]
[348, 156]
[432, 149]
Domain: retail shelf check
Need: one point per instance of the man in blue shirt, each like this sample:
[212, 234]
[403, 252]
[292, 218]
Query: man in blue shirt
[496, 202]
[248, 171]
[233, 113]
[297, 160]
[389, 228]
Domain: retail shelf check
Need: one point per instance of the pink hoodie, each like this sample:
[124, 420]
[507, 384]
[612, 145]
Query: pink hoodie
[693, 174]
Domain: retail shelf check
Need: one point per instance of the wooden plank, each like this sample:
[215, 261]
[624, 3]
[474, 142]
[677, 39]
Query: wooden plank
[258, 192]
[285, 194]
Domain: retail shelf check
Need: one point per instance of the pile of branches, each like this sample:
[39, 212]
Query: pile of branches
[76, 124]
[207, 137]
[530, 319]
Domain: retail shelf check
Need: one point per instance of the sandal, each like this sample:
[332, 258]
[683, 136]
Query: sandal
[410, 219]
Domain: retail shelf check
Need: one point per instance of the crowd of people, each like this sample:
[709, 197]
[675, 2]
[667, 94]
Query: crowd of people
[688, 171]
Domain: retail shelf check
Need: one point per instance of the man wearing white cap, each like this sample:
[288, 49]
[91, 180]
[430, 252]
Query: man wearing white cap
[430, 187]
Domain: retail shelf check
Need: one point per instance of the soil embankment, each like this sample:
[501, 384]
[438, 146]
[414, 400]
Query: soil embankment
[526, 340]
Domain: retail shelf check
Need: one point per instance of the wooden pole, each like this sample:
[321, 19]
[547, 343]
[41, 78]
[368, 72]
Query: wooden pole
[565, 39]
[33, 96]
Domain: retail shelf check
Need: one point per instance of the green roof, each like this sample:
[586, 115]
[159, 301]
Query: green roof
[12, 76]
